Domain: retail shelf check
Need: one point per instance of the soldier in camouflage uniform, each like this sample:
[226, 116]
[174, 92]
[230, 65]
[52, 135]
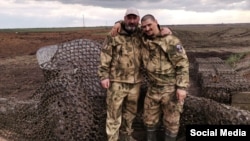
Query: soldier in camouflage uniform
[120, 62]
[167, 67]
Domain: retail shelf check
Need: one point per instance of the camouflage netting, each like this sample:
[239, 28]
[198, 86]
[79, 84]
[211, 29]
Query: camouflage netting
[70, 105]
[218, 80]
[200, 110]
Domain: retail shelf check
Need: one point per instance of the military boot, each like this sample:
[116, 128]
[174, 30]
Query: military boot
[151, 134]
[169, 138]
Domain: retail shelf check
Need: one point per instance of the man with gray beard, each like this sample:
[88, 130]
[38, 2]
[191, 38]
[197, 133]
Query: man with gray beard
[119, 72]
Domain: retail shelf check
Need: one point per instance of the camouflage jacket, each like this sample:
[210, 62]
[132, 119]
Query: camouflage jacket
[166, 61]
[120, 58]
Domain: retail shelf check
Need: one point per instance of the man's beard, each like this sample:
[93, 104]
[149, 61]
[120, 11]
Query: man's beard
[130, 28]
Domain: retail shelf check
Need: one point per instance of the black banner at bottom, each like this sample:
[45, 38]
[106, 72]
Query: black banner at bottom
[214, 132]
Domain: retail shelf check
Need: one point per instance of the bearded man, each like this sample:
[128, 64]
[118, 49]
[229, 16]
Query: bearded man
[119, 72]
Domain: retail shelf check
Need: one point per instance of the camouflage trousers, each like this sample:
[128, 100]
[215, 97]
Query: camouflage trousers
[122, 99]
[162, 101]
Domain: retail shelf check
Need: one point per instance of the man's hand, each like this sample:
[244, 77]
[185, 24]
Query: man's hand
[115, 29]
[105, 83]
[166, 31]
[181, 95]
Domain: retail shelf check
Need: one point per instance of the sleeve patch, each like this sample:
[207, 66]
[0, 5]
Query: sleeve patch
[179, 48]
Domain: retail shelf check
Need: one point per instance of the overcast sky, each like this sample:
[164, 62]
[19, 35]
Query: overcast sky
[76, 13]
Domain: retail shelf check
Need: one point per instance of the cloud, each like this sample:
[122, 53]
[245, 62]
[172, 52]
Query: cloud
[188, 5]
[73, 13]
[22, 14]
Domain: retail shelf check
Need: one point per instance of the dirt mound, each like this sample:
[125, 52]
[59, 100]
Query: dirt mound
[214, 36]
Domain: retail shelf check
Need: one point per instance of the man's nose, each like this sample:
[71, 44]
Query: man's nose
[132, 21]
